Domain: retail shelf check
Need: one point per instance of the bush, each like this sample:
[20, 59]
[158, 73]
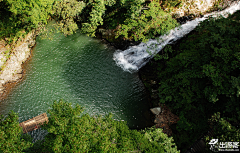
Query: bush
[11, 135]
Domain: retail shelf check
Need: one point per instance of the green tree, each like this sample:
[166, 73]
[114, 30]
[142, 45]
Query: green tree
[19, 15]
[71, 131]
[131, 17]
[224, 129]
[95, 17]
[11, 135]
[65, 13]
[146, 23]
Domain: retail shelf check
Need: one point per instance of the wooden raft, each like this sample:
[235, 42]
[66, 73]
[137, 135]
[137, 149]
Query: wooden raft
[34, 123]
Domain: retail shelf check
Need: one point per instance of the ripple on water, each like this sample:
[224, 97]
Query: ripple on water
[81, 73]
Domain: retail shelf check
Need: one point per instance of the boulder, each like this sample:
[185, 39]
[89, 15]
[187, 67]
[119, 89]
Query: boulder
[156, 110]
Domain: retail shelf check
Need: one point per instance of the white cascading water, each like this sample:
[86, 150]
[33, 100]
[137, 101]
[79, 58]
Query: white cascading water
[135, 57]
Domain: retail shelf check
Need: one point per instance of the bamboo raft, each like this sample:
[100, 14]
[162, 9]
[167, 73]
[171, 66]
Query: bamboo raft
[34, 123]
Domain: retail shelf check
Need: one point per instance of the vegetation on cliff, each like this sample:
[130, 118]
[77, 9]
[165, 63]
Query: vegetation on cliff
[69, 130]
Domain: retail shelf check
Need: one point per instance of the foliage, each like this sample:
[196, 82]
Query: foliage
[21, 16]
[95, 19]
[145, 24]
[158, 137]
[69, 130]
[70, 133]
[224, 130]
[65, 12]
[171, 3]
[164, 54]
[11, 138]
[202, 77]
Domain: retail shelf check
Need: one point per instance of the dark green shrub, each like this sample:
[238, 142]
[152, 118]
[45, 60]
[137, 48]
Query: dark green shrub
[11, 135]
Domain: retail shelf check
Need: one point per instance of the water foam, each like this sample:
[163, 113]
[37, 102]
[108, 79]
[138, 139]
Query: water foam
[135, 57]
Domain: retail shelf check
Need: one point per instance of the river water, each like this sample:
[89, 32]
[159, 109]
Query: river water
[80, 70]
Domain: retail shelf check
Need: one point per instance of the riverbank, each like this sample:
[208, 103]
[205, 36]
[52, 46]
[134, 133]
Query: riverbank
[12, 59]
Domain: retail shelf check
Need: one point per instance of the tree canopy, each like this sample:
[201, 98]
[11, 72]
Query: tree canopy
[69, 130]
[134, 19]
[147, 23]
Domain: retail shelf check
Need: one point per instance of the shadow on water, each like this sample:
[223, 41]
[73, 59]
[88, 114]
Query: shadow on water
[101, 86]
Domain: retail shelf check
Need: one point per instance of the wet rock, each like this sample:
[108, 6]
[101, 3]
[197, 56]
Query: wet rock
[184, 19]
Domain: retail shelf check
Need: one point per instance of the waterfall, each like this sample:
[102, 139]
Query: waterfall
[135, 57]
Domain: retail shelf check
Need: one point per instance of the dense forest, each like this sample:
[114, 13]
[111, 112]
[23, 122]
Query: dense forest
[198, 78]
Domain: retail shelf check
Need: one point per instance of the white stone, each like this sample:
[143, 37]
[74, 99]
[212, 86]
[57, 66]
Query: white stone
[156, 110]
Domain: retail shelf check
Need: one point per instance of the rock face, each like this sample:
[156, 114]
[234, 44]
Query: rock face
[198, 7]
[11, 61]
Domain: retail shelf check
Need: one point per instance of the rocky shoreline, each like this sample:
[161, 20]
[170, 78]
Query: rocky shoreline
[12, 59]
